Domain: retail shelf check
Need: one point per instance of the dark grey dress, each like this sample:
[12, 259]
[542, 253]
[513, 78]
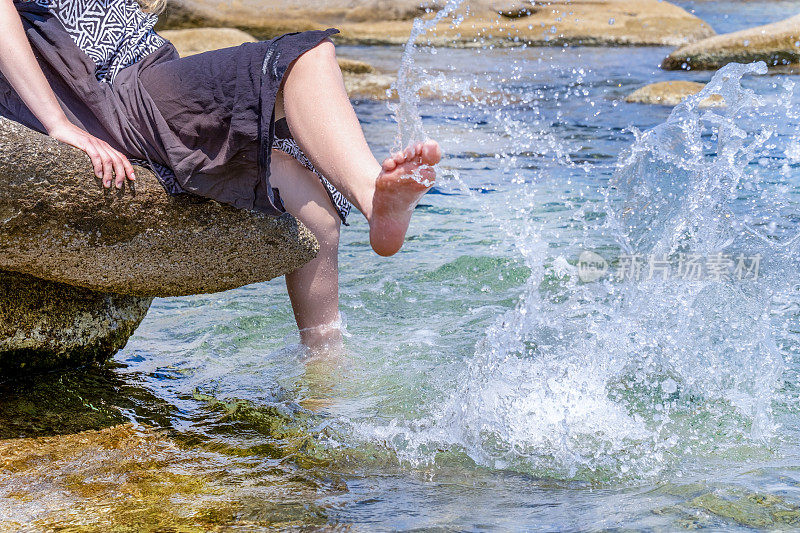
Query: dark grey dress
[204, 124]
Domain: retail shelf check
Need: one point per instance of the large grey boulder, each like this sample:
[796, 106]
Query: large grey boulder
[58, 224]
[46, 325]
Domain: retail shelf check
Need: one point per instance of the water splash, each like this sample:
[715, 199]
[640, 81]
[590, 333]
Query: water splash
[406, 110]
[618, 379]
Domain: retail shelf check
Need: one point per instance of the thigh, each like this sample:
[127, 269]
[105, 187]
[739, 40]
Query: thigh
[304, 196]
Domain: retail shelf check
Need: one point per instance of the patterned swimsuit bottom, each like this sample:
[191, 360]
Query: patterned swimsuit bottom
[286, 144]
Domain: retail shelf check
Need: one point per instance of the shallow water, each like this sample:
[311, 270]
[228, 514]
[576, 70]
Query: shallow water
[484, 385]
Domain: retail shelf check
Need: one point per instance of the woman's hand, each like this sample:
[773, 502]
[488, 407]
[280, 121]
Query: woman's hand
[109, 164]
[20, 67]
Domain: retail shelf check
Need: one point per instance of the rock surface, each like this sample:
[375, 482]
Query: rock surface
[46, 325]
[58, 224]
[509, 22]
[776, 44]
[671, 93]
[361, 79]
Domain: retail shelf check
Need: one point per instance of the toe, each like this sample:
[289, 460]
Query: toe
[418, 153]
[409, 153]
[389, 164]
[431, 153]
[399, 158]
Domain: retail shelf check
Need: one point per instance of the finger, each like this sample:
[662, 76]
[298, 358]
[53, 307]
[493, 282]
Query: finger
[119, 169]
[117, 164]
[128, 168]
[97, 161]
[108, 166]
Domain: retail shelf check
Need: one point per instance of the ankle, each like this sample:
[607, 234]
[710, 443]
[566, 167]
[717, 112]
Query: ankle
[321, 337]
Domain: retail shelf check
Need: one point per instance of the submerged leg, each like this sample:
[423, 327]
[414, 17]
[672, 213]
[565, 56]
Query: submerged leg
[326, 128]
[313, 288]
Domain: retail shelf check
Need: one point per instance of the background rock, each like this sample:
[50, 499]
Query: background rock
[197, 40]
[58, 224]
[45, 325]
[671, 93]
[354, 66]
[776, 44]
[588, 22]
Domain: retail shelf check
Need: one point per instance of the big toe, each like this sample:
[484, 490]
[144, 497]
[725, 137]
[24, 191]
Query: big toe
[431, 153]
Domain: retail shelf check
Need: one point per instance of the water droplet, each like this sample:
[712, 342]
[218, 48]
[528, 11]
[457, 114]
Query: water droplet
[669, 386]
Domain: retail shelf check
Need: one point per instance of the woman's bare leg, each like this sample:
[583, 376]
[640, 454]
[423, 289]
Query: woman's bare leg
[326, 128]
[314, 288]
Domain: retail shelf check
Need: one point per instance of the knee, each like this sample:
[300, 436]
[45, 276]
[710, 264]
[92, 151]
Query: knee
[322, 219]
[323, 53]
[327, 230]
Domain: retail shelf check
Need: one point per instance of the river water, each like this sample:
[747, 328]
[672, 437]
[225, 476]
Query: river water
[555, 347]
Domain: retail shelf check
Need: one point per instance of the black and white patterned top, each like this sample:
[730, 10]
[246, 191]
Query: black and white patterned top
[113, 33]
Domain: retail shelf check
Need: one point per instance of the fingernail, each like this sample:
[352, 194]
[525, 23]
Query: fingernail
[119, 185]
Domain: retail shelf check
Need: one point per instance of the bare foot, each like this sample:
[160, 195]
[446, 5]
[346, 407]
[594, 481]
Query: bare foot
[397, 194]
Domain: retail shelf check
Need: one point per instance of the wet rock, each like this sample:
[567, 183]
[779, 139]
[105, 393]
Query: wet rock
[741, 511]
[90, 478]
[134, 477]
[46, 325]
[705, 506]
[671, 93]
[58, 224]
[587, 22]
[776, 44]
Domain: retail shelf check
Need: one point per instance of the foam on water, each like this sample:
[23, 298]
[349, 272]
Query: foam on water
[629, 378]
